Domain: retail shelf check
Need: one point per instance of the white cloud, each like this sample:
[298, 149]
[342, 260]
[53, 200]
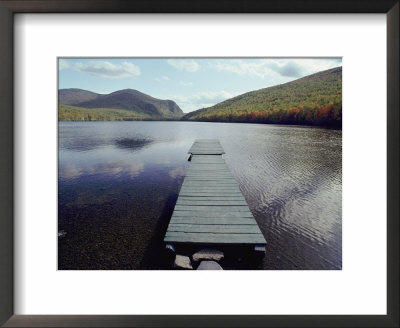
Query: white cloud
[212, 95]
[187, 65]
[186, 84]
[311, 66]
[200, 99]
[63, 64]
[238, 66]
[264, 68]
[162, 78]
[102, 68]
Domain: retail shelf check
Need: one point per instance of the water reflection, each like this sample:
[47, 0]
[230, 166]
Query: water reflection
[132, 143]
[179, 172]
[82, 145]
[118, 183]
[112, 169]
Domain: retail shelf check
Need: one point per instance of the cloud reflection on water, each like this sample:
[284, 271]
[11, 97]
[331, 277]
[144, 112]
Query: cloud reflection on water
[132, 143]
[112, 169]
[177, 172]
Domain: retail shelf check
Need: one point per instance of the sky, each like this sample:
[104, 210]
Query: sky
[193, 83]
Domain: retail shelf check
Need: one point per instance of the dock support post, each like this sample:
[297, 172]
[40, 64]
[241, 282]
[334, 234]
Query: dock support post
[259, 249]
[171, 248]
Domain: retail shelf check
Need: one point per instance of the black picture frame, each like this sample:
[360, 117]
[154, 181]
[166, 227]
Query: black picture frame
[10, 7]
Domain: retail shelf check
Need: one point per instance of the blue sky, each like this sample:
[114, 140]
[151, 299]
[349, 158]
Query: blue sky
[193, 83]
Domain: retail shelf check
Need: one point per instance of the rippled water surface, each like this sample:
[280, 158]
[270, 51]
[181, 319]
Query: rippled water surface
[119, 181]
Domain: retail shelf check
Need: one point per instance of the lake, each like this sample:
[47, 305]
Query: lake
[119, 181]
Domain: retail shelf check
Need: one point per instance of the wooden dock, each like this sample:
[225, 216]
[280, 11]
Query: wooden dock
[211, 209]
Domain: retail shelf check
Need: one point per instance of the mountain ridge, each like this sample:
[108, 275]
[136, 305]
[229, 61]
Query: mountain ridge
[138, 105]
[315, 99]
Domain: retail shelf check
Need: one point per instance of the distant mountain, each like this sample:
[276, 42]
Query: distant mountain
[75, 96]
[312, 100]
[127, 104]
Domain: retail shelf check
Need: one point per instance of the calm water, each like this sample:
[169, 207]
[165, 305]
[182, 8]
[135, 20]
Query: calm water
[119, 181]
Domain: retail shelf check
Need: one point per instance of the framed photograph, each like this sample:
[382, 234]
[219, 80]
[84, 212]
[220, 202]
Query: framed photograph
[254, 143]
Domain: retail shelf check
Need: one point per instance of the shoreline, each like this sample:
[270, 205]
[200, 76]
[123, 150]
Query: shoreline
[326, 126]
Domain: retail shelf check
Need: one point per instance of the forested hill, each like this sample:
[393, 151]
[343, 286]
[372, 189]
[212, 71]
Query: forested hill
[312, 100]
[128, 104]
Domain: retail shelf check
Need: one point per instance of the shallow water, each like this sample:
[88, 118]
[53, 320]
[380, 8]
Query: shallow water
[119, 181]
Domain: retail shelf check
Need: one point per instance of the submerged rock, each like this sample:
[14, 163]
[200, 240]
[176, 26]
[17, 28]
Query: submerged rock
[208, 254]
[182, 262]
[209, 265]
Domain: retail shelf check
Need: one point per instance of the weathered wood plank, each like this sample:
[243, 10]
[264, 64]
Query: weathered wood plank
[211, 194]
[210, 182]
[193, 180]
[190, 181]
[206, 162]
[209, 173]
[207, 152]
[221, 189]
[206, 174]
[230, 208]
[207, 166]
[211, 176]
[204, 151]
[215, 170]
[212, 221]
[202, 169]
[206, 144]
[196, 160]
[216, 228]
[208, 202]
[207, 214]
[208, 157]
[214, 238]
[225, 190]
[214, 188]
[204, 148]
[211, 146]
[212, 198]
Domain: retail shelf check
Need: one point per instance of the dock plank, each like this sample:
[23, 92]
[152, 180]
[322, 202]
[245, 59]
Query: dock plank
[212, 221]
[212, 198]
[207, 214]
[213, 208]
[204, 147]
[214, 228]
[214, 238]
[209, 202]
